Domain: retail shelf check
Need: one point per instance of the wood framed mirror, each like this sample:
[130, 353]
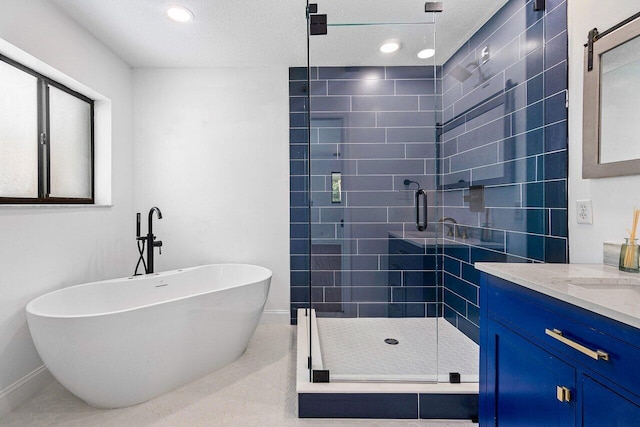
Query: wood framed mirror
[611, 111]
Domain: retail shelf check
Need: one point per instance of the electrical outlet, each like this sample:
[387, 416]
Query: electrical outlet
[584, 210]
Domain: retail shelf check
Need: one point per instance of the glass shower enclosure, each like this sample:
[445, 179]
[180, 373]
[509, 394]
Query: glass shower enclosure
[407, 170]
[372, 105]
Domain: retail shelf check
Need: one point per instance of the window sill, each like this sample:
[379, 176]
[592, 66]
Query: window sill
[52, 206]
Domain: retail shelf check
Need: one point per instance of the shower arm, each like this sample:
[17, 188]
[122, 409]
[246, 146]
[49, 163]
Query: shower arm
[408, 182]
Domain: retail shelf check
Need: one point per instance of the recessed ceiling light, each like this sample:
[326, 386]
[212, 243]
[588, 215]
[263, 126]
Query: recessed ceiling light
[426, 53]
[179, 13]
[390, 46]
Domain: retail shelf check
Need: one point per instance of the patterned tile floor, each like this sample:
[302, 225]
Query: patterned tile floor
[256, 390]
[354, 349]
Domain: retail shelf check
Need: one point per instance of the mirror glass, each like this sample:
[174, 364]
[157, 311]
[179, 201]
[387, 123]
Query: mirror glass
[620, 102]
[610, 125]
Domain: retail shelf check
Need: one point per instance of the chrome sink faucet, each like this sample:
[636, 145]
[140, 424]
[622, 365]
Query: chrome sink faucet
[453, 229]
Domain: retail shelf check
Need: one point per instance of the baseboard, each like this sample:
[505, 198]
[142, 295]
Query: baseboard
[24, 389]
[270, 317]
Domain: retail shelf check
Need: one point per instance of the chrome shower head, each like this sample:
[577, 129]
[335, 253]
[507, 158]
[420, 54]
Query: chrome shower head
[460, 73]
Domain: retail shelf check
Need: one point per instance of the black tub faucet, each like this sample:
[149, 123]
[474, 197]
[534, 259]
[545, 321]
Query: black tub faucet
[151, 239]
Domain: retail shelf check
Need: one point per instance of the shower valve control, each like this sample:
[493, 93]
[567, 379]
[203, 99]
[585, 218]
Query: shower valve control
[484, 55]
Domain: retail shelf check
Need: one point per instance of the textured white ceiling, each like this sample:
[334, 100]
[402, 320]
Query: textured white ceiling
[245, 33]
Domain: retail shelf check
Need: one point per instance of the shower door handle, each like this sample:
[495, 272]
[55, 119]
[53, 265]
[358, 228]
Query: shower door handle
[421, 222]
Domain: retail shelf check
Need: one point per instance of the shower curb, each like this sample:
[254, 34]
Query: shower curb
[381, 400]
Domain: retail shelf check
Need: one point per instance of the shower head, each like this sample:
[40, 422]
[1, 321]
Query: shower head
[460, 73]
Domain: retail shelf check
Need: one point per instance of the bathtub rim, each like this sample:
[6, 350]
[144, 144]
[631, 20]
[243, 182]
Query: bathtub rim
[30, 310]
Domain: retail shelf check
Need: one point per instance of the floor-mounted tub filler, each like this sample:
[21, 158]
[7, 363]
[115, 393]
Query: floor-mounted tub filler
[116, 343]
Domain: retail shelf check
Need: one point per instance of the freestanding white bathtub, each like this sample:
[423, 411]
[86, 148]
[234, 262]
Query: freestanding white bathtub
[116, 343]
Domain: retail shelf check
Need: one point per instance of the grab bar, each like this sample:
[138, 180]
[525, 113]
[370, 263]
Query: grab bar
[421, 225]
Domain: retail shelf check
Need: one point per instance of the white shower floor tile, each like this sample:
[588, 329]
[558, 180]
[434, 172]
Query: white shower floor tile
[256, 390]
[354, 349]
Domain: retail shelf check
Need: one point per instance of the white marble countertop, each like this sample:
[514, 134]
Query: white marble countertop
[598, 288]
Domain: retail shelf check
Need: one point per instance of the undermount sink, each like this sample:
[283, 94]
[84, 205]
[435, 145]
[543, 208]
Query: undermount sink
[601, 289]
[621, 297]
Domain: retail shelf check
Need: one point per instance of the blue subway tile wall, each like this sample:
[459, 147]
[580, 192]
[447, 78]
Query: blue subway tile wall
[505, 129]
[388, 406]
[376, 132]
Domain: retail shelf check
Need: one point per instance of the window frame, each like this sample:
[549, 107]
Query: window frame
[44, 148]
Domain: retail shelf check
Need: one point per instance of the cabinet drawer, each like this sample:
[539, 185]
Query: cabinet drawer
[402, 247]
[577, 333]
[404, 255]
[407, 262]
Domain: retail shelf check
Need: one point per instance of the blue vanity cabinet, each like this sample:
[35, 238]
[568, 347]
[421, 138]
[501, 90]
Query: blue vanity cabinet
[525, 378]
[529, 377]
[604, 407]
[406, 255]
[409, 256]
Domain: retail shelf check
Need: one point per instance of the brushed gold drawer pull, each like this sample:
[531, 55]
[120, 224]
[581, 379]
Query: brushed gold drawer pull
[594, 354]
[563, 394]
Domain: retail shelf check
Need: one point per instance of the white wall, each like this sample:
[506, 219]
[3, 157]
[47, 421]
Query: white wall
[42, 249]
[211, 151]
[613, 198]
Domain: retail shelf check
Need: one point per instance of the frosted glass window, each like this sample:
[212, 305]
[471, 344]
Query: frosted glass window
[18, 133]
[70, 145]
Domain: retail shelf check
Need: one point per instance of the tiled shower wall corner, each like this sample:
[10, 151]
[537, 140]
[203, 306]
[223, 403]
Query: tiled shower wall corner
[377, 127]
[505, 131]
